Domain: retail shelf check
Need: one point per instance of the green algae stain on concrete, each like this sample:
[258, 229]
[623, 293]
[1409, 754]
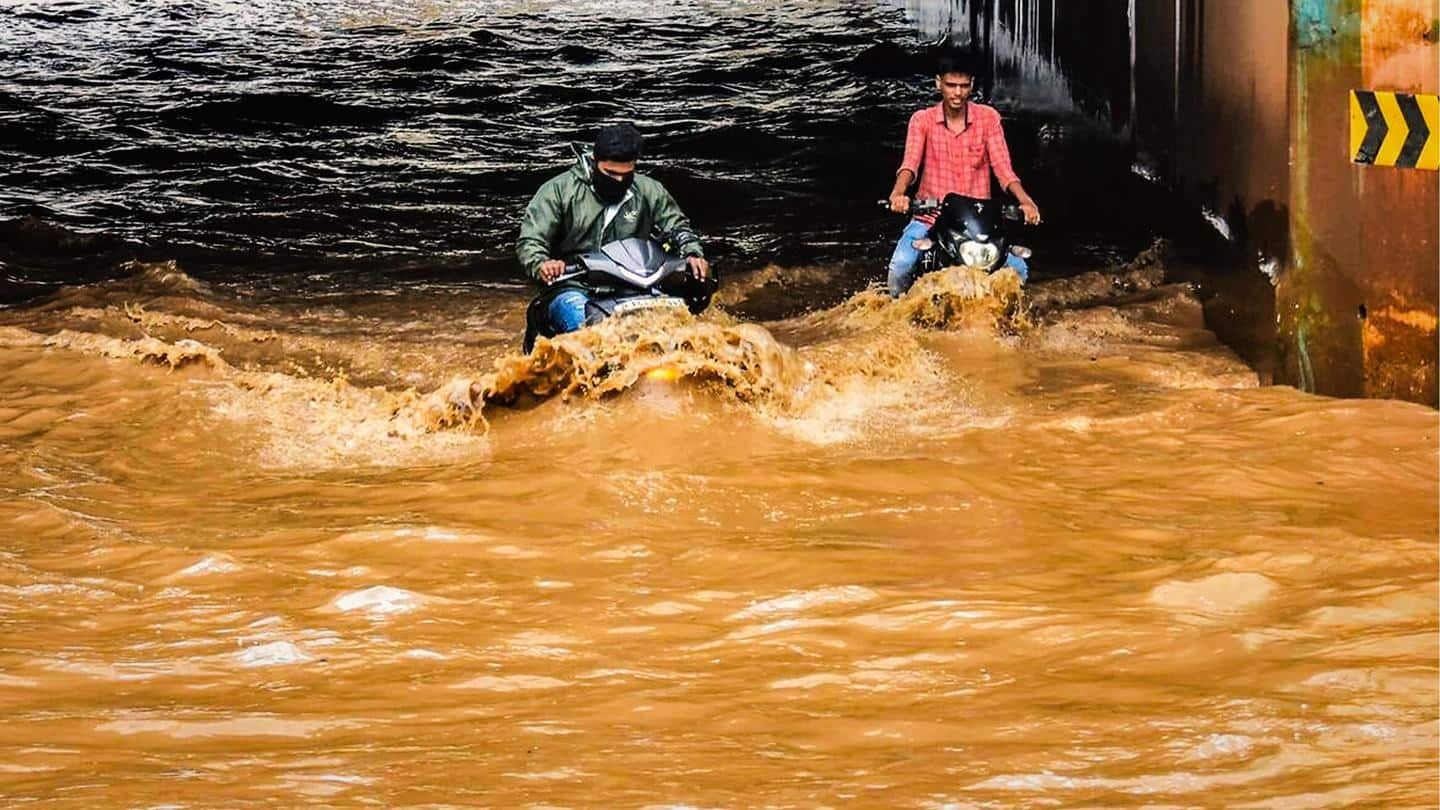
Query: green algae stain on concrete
[1317, 350]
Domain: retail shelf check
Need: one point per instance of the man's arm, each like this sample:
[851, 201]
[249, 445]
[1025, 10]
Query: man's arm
[668, 218]
[909, 164]
[999, 153]
[538, 230]
[1027, 205]
[903, 179]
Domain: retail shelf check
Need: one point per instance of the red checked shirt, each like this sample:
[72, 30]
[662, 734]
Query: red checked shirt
[957, 162]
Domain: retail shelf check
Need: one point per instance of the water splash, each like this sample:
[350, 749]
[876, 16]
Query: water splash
[739, 361]
[839, 374]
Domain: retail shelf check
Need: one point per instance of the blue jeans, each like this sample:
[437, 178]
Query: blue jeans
[567, 311]
[902, 261]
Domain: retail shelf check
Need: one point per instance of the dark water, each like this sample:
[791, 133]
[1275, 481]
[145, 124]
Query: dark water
[403, 138]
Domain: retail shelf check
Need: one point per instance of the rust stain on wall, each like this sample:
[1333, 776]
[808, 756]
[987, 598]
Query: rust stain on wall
[1397, 364]
[1399, 269]
[1261, 98]
[1357, 304]
[1418, 318]
[1397, 45]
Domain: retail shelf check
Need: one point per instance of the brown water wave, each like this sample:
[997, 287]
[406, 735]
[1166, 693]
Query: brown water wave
[161, 316]
[982, 547]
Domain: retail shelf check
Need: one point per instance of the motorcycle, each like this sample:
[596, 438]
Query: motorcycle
[967, 233]
[624, 277]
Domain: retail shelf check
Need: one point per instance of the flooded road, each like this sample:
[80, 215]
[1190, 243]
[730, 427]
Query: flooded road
[965, 550]
[290, 521]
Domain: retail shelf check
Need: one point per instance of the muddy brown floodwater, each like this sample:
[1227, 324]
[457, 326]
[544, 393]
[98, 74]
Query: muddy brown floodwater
[974, 549]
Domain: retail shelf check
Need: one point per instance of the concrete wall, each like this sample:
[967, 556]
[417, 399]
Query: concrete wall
[1357, 305]
[1211, 87]
[1331, 283]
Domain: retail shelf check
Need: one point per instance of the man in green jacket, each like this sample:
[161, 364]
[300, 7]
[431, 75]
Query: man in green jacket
[591, 204]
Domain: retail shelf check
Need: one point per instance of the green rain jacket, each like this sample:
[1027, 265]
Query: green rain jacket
[565, 218]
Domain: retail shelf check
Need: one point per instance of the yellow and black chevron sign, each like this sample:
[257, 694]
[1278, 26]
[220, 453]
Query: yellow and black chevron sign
[1395, 129]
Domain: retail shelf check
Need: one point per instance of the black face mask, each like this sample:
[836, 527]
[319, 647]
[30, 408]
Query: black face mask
[608, 189]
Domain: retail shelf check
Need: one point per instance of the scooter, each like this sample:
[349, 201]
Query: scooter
[624, 277]
[967, 233]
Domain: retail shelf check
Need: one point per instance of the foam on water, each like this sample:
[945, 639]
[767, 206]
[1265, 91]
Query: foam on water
[378, 600]
[276, 653]
[1216, 595]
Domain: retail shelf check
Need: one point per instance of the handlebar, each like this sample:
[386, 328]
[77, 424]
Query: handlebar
[927, 205]
[576, 270]
[572, 270]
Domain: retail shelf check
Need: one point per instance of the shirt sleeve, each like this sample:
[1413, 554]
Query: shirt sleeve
[669, 219]
[538, 229]
[999, 153]
[914, 144]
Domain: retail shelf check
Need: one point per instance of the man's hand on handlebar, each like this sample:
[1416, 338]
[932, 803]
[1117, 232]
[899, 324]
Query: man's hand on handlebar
[698, 267]
[899, 203]
[551, 269]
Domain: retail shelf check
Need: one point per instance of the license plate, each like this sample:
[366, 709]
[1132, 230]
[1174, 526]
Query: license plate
[632, 305]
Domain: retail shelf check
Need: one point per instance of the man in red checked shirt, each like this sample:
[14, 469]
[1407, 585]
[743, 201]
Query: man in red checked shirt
[952, 147]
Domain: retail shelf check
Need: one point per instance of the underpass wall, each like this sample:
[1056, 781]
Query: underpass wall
[1329, 282]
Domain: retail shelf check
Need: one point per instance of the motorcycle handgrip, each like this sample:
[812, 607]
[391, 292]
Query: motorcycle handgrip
[570, 271]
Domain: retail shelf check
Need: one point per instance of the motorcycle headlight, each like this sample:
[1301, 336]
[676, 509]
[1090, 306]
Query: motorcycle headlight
[980, 255]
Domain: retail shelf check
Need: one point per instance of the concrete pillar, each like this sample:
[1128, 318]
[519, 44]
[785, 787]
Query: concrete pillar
[1220, 85]
[1332, 283]
[1356, 303]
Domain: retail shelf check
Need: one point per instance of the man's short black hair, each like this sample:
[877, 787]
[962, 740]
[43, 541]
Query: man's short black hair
[618, 142]
[953, 61]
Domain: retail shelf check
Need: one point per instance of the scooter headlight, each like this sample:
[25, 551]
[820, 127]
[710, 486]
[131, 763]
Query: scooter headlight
[980, 255]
